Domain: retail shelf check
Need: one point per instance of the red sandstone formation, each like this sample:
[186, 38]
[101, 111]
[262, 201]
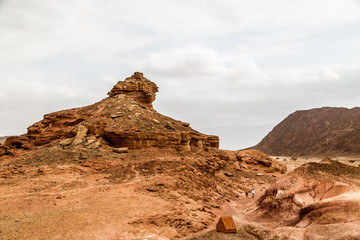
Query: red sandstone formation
[2, 150]
[125, 119]
[18, 142]
[137, 87]
[250, 159]
[314, 194]
[320, 131]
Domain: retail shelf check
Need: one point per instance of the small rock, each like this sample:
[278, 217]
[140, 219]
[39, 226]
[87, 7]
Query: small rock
[116, 115]
[168, 126]
[259, 174]
[121, 150]
[66, 142]
[156, 121]
[228, 174]
[150, 189]
[17, 220]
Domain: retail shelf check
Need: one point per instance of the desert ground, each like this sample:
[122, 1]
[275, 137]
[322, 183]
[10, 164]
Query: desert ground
[80, 198]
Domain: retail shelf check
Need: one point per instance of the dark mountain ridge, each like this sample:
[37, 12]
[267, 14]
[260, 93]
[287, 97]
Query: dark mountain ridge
[318, 131]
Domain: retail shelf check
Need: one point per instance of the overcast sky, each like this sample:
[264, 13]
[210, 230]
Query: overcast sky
[233, 68]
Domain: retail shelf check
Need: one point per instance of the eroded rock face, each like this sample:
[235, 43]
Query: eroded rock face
[315, 193]
[137, 87]
[62, 124]
[2, 150]
[250, 159]
[18, 142]
[125, 119]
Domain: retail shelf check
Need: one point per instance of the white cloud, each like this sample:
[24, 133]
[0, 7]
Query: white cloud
[219, 64]
[185, 62]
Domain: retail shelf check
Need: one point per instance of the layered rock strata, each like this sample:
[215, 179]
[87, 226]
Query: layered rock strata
[315, 193]
[137, 87]
[125, 119]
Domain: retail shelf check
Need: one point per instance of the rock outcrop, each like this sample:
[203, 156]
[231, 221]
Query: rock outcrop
[2, 150]
[320, 131]
[250, 159]
[315, 193]
[137, 87]
[125, 119]
[18, 142]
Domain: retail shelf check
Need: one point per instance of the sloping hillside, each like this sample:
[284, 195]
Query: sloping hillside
[319, 131]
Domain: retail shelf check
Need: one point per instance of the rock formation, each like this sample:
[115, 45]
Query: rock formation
[18, 142]
[2, 150]
[137, 87]
[125, 119]
[319, 131]
[117, 169]
[314, 195]
[250, 159]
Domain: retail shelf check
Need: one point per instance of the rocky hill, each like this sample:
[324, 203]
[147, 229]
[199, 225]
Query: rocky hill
[125, 119]
[117, 169]
[319, 131]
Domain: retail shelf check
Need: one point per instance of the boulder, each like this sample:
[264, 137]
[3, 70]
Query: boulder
[80, 135]
[226, 225]
[121, 150]
[18, 142]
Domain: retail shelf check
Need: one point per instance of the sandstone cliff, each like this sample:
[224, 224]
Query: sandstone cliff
[320, 131]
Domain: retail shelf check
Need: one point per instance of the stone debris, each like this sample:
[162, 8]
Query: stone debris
[66, 142]
[121, 150]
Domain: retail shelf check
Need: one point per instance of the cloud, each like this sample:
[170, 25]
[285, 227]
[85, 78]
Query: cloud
[185, 62]
[219, 64]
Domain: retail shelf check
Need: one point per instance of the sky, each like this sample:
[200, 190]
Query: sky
[232, 68]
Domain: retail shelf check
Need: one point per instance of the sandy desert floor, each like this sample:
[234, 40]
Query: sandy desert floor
[69, 202]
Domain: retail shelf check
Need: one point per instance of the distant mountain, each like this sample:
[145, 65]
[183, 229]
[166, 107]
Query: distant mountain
[319, 131]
